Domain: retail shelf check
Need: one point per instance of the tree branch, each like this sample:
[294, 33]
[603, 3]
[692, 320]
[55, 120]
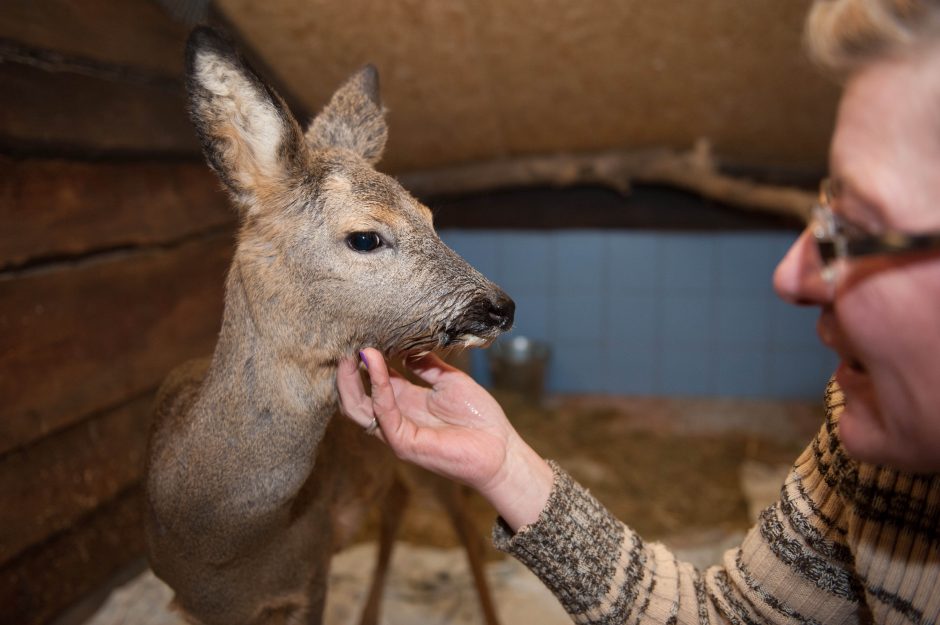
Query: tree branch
[693, 171]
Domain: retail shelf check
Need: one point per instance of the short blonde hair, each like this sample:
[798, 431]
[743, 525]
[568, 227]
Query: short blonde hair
[842, 35]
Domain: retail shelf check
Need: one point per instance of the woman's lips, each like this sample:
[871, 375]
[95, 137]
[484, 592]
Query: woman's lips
[851, 376]
[833, 339]
[855, 365]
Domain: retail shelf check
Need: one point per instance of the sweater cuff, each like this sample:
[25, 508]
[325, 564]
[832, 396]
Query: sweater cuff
[573, 545]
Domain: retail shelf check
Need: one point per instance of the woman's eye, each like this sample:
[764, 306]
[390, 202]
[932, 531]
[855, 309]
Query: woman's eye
[364, 241]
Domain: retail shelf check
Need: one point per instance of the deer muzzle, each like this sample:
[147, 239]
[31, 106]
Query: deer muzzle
[482, 321]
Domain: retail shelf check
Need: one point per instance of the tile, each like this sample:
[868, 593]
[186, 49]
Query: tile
[746, 261]
[580, 262]
[688, 263]
[687, 320]
[577, 367]
[741, 372]
[796, 373]
[742, 320]
[477, 247]
[653, 313]
[577, 318]
[828, 361]
[686, 372]
[479, 367]
[633, 320]
[634, 261]
[457, 240]
[793, 326]
[526, 262]
[533, 316]
[632, 371]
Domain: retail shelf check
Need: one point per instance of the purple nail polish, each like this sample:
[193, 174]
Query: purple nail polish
[363, 359]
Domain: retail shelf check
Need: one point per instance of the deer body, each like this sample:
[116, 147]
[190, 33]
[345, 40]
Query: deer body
[249, 541]
[250, 483]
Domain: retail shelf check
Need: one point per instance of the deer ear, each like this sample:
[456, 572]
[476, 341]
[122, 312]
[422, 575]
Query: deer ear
[248, 135]
[354, 118]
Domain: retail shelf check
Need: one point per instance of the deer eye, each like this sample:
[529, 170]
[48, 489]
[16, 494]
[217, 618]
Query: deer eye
[364, 241]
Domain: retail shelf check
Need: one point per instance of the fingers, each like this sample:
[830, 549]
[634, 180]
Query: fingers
[429, 368]
[390, 395]
[384, 405]
[352, 396]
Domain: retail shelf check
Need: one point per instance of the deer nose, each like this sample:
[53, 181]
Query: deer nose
[502, 311]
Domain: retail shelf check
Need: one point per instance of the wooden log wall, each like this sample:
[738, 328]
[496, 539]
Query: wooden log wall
[114, 242]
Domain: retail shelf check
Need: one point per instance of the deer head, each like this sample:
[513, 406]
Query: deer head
[332, 255]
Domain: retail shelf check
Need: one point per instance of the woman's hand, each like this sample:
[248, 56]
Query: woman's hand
[455, 429]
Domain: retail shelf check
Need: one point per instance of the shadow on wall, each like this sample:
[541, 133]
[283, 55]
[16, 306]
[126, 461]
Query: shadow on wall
[655, 313]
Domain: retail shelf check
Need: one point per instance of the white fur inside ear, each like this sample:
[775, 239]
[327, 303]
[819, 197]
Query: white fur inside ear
[240, 102]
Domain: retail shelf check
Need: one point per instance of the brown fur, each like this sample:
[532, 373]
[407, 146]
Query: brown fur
[251, 485]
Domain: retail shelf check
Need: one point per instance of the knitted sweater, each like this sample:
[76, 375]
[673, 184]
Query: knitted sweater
[846, 543]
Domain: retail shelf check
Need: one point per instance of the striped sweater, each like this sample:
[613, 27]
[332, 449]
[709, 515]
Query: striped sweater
[846, 543]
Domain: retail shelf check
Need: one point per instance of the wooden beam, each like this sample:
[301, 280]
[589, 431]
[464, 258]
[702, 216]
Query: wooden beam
[55, 209]
[47, 579]
[133, 33]
[80, 338]
[63, 477]
[43, 112]
[649, 208]
[693, 171]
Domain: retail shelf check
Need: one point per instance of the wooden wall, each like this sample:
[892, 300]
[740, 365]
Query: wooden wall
[114, 242]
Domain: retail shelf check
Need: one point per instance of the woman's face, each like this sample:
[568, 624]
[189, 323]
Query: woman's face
[881, 315]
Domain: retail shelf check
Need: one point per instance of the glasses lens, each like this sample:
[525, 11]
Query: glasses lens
[827, 251]
[824, 231]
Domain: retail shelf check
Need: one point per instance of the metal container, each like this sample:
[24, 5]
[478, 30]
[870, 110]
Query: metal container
[519, 364]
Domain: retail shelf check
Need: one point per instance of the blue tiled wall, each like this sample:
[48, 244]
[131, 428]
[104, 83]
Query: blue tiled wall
[655, 313]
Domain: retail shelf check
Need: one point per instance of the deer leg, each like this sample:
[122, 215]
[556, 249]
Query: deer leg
[393, 509]
[454, 498]
[314, 612]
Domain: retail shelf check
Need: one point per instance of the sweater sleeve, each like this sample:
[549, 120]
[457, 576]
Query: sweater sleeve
[794, 566]
[599, 569]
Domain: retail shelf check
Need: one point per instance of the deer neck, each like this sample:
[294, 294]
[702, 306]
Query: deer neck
[268, 389]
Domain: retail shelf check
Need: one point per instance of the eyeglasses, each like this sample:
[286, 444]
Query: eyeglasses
[838, 239]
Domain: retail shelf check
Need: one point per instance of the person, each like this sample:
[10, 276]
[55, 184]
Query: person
[855, 535]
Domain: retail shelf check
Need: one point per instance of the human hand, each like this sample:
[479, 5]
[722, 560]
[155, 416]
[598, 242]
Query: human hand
[455, 429]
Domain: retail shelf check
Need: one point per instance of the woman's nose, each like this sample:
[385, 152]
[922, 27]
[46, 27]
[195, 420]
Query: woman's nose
[799, 277]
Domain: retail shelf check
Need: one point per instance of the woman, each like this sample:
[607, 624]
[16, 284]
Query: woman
[855, 537]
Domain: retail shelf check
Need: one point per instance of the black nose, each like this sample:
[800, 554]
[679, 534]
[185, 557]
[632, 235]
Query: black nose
[502, 311]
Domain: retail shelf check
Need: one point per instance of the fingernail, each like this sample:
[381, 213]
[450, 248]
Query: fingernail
[362, 358]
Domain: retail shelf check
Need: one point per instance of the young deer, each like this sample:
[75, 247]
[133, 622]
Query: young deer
[251, 484]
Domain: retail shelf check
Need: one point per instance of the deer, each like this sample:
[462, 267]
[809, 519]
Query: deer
[251, 484]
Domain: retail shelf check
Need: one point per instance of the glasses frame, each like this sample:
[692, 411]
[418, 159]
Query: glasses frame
[839, 239]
